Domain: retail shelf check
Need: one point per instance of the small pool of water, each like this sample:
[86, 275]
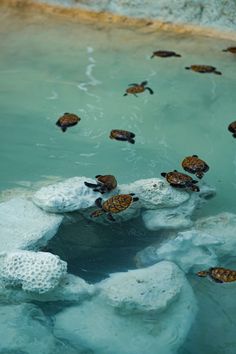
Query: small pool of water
[49, 66]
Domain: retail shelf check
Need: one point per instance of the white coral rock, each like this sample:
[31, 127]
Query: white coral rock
[24, 226]
[37, 272]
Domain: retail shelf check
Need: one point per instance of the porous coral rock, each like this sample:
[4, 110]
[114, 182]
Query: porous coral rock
[136, 312]
[24, 226]
[37, 272]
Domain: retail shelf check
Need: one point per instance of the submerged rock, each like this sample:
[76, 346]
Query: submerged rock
[141, 311]
[24, 226]
[205, 245]
[37, 272]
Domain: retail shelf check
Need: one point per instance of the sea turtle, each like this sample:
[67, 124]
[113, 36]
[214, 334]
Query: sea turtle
[138, 88]
[230, 49]
[219, 275]
[104, 184]
[122, 135]
[193, 164]
[165, 54]
[113, 205]
[180, 180]
[203, 69]
[232, 128]
[67, 120]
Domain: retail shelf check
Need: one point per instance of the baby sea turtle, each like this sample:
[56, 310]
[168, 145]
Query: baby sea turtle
[104, 184]
[114, 205]
[219, 275]
[165, 54]
[67, 120]
[138, 88]
[122, 135]
[232, 128]
[193, 164]
[203, 69]
[180, 180]
[230, 49]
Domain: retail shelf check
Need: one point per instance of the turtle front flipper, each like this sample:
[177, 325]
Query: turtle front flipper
[163, 174]
[125, 94]
[234, 135]
[150, 90]
[144, 83]
[203, 273]
[177, 55]
[63, 129]
[98, 202]
[194, 188]
[110, 217]
[217, 72]
[135, 199]
[91, 185]
[131, 140]
[199, 174]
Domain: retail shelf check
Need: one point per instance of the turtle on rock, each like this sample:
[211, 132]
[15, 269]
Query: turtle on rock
[232, 128]
[113, 205]
[165, 54]
[193, 164]
[203, 69]
[219, 275]
[180, 180]
[122, 135]
[67, 120]
[230, 49]
[104, 184]
[138, 88]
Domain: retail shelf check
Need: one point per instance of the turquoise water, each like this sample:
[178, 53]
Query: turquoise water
[51, 66]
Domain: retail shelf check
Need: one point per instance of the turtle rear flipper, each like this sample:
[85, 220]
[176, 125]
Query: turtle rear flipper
[125, 94]
[91, 185]
[63, 129]
[234, 135]
[150, 90]
[135, 199]
[153, 55]
[217, 72]
[110, 217]
[177, 55]
[187, 68]
[131, 141]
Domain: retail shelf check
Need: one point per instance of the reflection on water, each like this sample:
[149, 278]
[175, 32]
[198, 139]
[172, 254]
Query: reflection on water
[50, 66]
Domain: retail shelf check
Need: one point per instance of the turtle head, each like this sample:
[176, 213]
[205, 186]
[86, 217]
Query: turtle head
[203, 273]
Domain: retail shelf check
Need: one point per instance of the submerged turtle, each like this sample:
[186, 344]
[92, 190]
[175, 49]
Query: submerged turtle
[230, 49]
[165, 54]
[193, 164]
[122, 135]
[180, 180]
[203, 69]
[67, 120]
[219, 275]
[232, 128]
[138, 88]
[113, 205]
[104, 184]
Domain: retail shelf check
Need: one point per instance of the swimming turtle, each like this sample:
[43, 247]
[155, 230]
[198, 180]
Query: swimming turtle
[122, 135]
[67, 120]
[193, 164]
[232, 128]
[230, 49]
[165, 54]
[180, 180]
[113, 205]
[138, 88]
[104, 184]
[219, 275]
[203, 69]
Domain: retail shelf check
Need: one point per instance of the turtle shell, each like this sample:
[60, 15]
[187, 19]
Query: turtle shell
[135, 89]
[68, 120]
[203, 68]
[117, 133]
[178, 178]
[222, 275]
[108, 180]
[231, 50]
[117, 203]
[232, 127]
[193, 164]
[165, 54]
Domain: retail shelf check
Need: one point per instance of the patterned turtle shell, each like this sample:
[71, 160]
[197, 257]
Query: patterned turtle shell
[165, 54]
[135, 89]
[67, 120]
[178, 178]
[108, 180]
[220, 275]
[204, 69]
[193, 164]
[117, 203]
[230, 49]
